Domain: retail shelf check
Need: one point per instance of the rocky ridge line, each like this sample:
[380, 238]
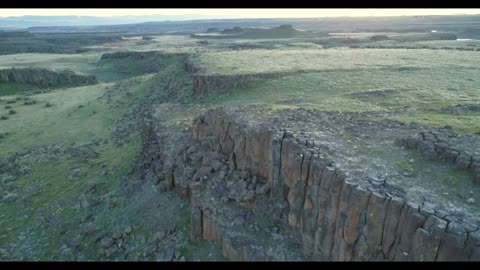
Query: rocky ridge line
[44, 78]
[339, 218]
[440, 144]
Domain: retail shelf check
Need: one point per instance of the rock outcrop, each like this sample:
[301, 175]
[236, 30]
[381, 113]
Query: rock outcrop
[45, 78]
[445, 145]
[335, 216]
[205, 84]
[137, 55]
[462, 108]
[193, 67]
[131, 62]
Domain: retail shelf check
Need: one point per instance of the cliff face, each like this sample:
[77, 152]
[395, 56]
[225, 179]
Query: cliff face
[205, 84]
[139, 62]
[337, 217]
[193, 67]
[138, 55]
[44, 77]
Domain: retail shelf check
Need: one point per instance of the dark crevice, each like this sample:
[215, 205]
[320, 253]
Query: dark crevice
[336, 214]
[173, 178]
[324, 224]
[354, 255]
[279, 171]
[234, 160]
[441, 241]
[348, 201]
[396, 229]
[226, 131]
[305, 184]
[385, 220]
[315, 198]
[300, 180]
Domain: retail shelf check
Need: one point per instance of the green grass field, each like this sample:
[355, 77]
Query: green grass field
[80, 63]
[69, 139]
[255, 61]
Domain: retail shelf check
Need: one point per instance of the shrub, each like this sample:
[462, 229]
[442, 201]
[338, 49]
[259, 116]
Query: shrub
[4, 117]
[8, 107]
[378, 37]
[412, 111]
[12, 112]
[29, 102]
[48, 104]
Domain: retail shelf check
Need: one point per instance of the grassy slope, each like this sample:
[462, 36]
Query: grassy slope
[63, 124]
[50, 141]
[8, 89]
[77, 62]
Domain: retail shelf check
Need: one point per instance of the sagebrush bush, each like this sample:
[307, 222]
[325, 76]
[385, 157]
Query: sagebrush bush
[29, 102]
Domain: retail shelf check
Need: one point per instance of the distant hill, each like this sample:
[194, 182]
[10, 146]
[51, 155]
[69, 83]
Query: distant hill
[35, 21]
[282, 31]
[12, 42]
[451, 23]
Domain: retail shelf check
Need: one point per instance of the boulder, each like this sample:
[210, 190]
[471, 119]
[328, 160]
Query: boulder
[128, 229]
[441, 146]
[425, 146]
[216, 164]
[412, 141]
[107, 241]
[463, 161]
[450, 156]
[202, 172]
[10, 197]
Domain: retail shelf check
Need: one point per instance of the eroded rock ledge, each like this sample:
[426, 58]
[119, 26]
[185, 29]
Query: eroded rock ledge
[44, 78]
[463, 151]
[205, 84]
[243, 173]
[138, 55]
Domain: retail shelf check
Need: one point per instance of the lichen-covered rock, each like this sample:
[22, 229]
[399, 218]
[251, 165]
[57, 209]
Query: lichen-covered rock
[463, 161]
[450, 156]
[412, 141]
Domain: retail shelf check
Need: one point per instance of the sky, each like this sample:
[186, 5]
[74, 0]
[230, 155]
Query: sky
[237, 13]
